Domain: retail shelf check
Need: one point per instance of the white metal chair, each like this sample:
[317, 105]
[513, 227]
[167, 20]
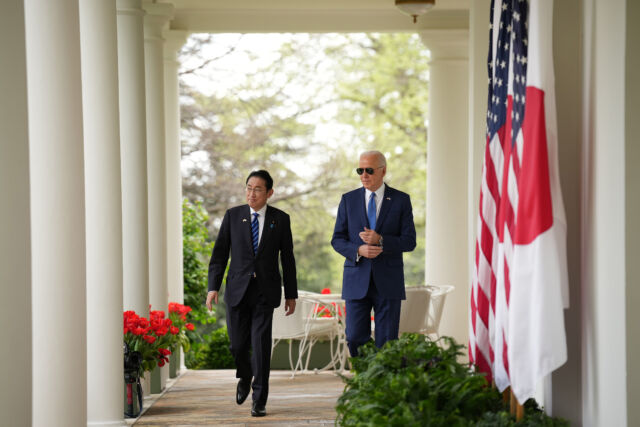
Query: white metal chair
[438, 295]
[306, 325]
[414, 311]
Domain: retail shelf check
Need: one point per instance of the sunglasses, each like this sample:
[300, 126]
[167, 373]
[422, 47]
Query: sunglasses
[369, 171]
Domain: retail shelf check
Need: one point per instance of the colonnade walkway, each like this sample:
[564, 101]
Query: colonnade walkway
[207, 398]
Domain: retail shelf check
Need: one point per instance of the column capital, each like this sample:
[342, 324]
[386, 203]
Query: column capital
[446, 44]
[173, 42]
[129, 7]
[156, 17]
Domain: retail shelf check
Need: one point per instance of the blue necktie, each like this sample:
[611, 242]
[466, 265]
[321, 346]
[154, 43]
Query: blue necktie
[371, 211]
[255, 232]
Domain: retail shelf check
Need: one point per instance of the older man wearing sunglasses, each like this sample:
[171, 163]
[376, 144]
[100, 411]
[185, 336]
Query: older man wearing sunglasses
[373, 228]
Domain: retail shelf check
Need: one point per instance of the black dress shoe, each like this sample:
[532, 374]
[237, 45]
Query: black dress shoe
[258, 410]
[244, 386]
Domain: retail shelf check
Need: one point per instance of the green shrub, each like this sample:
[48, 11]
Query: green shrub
[211, 353]
[414, 381]
[196, 250]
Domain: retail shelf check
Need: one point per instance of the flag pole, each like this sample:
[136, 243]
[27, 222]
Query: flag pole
[516, 408]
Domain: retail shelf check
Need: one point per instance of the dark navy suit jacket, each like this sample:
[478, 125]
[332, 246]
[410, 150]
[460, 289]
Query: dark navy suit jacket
[394, 224]
[235, 239]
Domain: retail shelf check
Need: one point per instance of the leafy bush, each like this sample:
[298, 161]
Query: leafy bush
[414, 381]
[196, 250]
[209, 346]
[211, 353]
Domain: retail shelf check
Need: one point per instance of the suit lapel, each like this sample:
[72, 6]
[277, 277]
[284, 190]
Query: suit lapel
[363, 208]
[267, 228]
[246, 227]
[386, 205]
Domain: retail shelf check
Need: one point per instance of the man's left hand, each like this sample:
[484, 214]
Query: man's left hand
[289, 306]
[370, 237]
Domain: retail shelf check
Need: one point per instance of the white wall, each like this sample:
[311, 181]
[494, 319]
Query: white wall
[566, 381]
[632, 155]
[15, 248]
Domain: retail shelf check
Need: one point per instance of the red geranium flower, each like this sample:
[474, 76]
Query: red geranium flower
[149, 338]
[190, 326]
[174, 330]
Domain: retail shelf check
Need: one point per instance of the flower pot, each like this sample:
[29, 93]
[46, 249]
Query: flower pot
[174, 363]
[156, 380]
[132, 399]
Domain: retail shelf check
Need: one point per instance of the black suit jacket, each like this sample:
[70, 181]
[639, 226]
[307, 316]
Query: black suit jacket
[235, 239]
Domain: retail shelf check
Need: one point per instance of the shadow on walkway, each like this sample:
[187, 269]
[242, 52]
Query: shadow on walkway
[207, 398]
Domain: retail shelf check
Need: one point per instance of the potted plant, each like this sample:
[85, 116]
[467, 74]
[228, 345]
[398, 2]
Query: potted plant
[149, 343]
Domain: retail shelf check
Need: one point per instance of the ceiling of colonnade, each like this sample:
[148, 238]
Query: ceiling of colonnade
[216, 16]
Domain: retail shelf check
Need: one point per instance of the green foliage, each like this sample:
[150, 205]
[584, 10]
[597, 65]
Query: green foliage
[196, 249]
[211, 353]
[414, 381]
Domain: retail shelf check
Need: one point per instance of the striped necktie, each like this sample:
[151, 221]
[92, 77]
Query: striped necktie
[371, 211]
[255, 232]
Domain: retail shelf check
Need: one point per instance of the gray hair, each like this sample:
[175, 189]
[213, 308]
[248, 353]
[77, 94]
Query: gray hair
[376, 153]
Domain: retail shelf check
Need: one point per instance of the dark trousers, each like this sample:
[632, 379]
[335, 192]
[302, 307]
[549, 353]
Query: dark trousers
[249, 326]
[386, 317]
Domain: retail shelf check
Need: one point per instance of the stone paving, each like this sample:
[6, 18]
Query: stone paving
[207, 398]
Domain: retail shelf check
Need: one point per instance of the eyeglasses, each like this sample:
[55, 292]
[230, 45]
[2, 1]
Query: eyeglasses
[370, 171]
[255, 190]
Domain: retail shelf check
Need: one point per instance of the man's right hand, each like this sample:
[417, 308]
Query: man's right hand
[369, 251]
[212, 296]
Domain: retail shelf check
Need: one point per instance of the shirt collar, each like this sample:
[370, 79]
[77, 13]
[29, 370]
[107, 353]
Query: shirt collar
[379, 192]
[261, 211]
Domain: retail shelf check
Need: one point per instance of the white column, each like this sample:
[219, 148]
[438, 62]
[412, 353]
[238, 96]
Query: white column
[157, 15]
[604, 371]
[15, 230]
[447, 153]
[133, 151]
[103, 212]
[173, 43]
[478, 89]
[57, 213]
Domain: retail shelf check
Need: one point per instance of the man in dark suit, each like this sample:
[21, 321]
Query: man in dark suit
[373, 228]
[255, 235]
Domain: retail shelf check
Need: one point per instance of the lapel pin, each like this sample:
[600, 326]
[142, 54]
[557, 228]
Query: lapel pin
[388, 198]
[272, 224]
[244, 220]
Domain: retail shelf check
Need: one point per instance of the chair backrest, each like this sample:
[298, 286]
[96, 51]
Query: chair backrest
[414, 309]
[285, 327]
[438, 296]
[293, 326]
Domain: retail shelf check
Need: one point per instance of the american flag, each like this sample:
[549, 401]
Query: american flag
[520, 285]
